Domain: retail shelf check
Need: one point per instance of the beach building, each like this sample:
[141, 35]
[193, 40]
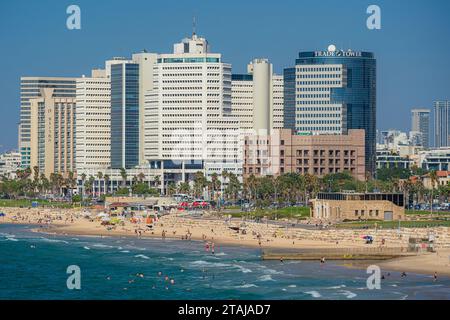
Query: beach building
[358, 206]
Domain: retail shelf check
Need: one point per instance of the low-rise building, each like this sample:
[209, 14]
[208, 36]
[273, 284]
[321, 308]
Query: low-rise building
[9, 163]
[358, 206]
[284, 152]
[443, 179]
[387, 160]
[437, 159]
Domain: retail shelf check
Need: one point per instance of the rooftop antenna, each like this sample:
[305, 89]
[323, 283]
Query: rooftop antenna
[193, 25]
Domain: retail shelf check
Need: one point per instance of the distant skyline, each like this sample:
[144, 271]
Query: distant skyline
[412, 47]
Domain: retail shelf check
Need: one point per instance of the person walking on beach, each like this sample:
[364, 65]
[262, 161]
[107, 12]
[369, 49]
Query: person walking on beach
[435, 277]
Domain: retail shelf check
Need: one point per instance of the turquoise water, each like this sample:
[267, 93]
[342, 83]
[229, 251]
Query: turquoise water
[33, 266]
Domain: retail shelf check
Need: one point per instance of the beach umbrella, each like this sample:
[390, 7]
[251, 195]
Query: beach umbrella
[106, 219]
[2, 214]
[102, 214]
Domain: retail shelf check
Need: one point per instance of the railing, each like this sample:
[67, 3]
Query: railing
[339, 251]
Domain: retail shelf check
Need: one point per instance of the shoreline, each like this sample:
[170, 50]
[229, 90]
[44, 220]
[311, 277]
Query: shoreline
[398, 264]
[258, 236]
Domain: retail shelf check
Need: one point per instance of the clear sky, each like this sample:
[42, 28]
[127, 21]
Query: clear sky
[412, 47]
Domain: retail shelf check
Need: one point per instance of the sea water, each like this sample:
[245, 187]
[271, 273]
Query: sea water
[34, 266]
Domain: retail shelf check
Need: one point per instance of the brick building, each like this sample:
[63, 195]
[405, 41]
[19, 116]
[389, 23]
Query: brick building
[285, 152]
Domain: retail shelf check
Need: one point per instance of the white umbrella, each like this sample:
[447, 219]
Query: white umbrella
[102, 214]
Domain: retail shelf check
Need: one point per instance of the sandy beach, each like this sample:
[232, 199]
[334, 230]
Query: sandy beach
[258, 235]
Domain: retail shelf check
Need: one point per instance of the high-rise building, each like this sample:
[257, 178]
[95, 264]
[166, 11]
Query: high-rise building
[52, 133]
[30, 87]
[188, 121]
[125, 115]
[93, 122]
[420, 122]
[442, 123]
[130, 80]
[335, 90]
[257, 97]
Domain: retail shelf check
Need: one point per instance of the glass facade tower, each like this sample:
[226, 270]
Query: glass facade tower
[441, 124]
[124, 115]
[335, 91]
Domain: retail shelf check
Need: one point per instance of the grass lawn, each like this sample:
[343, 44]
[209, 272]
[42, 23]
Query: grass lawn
[289, 212]
[27, 203]
[393, 224]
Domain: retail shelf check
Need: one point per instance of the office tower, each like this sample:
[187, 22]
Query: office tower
[130, 80]
[289, 98]
[125, 115]
[93, 122]
[52, 132]
[335, 91]
[30, 87]
[420, 122]
[188, 121]
[441, 123]
[146, 62]
[257, 97]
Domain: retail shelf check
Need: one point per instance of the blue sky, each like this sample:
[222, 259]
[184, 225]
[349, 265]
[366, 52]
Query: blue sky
[412, 48]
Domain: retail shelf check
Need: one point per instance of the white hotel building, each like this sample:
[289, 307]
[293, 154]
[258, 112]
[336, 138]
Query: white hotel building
[188, 125]
[93, 122]
[191, 114]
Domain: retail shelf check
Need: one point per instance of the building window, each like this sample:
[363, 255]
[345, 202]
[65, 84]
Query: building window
[356, 213]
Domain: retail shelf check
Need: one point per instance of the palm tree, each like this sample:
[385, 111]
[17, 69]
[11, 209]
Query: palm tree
[199, 183]
[83, 179]
[36, 178]
[184, 188]
[157, 181]
[434, 180]
[251, 185]
[224, 175]
[71, 181]
[123, 174]
[107, 179]
[141, 177]
[215, 184]
[171, 189]
[45, 184]
[100, 177]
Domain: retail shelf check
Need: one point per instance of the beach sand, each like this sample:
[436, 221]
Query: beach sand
[258, 235]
